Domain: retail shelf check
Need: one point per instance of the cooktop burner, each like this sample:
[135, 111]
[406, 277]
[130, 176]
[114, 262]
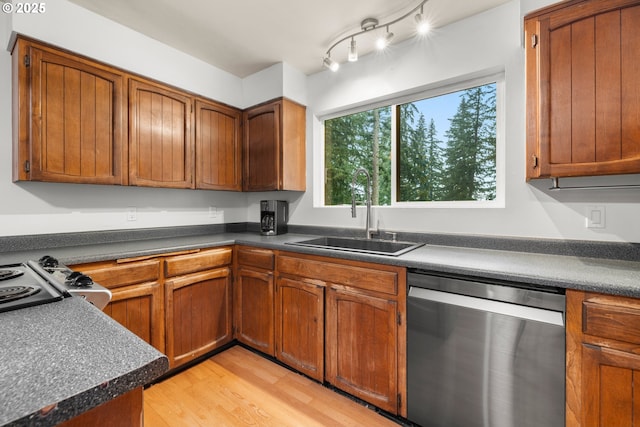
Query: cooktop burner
[6, 274]
[13, 293]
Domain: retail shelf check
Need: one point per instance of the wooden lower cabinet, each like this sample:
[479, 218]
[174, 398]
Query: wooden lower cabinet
[364, 329]
[603, 360]
[198, 303]
[124, 410]
[361, 346]
[254, 299]
[137, 301]
[180, 303]
[300, 325]
[198, 317]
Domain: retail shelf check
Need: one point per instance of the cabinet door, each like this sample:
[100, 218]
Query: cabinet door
[139, 309]
[611, 379]
[69, 118]
[262, 148]
[218, 148]
[582, 102]
[255, 309]
[362, 346]
[198, 314]
[300, 325]
[160, 139]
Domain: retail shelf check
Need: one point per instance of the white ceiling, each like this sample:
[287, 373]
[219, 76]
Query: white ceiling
[246, 36]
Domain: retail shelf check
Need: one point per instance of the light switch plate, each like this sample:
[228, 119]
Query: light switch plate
[595, 217]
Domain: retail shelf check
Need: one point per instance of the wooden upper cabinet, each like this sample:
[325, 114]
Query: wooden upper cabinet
[69, 117]
[218, 147]
[160, 139]
[274, 147]
[583, 101]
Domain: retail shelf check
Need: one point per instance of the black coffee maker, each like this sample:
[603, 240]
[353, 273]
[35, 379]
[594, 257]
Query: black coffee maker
[274, 215]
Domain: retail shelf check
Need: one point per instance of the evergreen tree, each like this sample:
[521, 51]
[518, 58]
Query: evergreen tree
[470, 151]
[353, 141]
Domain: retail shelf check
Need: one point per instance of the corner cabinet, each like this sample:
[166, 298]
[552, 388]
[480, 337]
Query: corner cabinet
[582, 91]
[160, 141]
[218, 146]
[603, 362]
[69, 117]
[274, 147]
[254, 295]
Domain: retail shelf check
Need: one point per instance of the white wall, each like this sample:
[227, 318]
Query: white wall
[484, 42]
[487, 41]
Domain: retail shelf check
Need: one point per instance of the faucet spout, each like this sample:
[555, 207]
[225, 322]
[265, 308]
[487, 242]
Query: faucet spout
[367, 192]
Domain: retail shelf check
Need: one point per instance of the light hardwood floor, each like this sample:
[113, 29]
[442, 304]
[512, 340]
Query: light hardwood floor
[239, 388]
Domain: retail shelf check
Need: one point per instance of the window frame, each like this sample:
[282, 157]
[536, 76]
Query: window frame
[441, 88]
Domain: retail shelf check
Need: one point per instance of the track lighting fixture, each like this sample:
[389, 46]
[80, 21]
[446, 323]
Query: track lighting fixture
[371, 24]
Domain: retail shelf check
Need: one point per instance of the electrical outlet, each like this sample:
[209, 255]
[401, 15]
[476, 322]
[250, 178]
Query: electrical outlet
[213, 212]
[595, 217]
[132, 213]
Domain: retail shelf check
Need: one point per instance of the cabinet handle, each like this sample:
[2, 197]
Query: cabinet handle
[534, 160]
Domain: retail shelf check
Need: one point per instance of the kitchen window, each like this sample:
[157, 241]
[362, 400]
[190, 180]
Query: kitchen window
[439, 148]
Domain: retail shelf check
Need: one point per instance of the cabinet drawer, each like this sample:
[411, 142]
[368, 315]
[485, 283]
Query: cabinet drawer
[260, 258]
[348, 275]
[204, 260]
[114, 275]
[618, 322]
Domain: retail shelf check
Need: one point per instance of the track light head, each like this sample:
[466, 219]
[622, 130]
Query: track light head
[422, 25]
[384, 40]
[330, 64]
[353, 51]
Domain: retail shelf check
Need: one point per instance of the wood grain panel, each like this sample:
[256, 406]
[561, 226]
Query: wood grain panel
[353, 274]
[254, 321]
[560, 96]
[203, 260]
[124, 410]
[218, 147]
[262, 151]
[350, 348]
[112, 274]
[608, 87]
[73, 120]
[161, 143]
[612, 321]
[139, 308]
[198, 314]
[630, 52]
[582, 92]
[254, 257]
[300, 326]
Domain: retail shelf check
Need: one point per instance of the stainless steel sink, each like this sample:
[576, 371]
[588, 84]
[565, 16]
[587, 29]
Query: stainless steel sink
[369, 246]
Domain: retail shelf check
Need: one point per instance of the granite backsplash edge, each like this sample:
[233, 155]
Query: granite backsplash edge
[626, 251]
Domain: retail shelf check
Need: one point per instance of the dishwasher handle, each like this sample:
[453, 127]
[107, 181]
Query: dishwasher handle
[498, 307]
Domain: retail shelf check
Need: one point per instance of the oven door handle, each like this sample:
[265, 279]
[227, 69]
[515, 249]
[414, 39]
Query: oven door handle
[498, 307]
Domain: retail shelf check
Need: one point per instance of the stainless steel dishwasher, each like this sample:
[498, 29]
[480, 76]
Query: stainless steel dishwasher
[484, 354]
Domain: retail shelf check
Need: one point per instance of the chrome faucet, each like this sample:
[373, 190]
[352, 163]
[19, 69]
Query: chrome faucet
[367, 192]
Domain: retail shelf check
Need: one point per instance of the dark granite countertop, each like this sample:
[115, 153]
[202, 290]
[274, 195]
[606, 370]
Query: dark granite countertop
[60, 359]
[612, 276]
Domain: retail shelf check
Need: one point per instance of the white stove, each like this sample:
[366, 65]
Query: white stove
[46, 281]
